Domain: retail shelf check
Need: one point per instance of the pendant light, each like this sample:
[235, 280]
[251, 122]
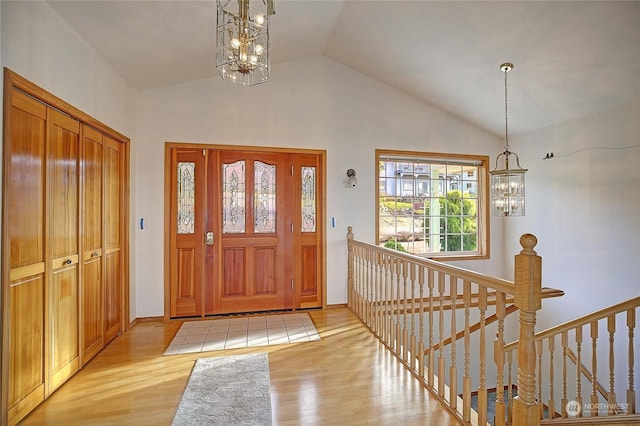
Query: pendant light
[507, 183]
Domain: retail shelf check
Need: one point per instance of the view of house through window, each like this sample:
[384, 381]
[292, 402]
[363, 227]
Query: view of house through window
[432, 204]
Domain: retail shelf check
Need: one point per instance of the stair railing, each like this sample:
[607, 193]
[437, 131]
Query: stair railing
[413, 305]
[572, 361]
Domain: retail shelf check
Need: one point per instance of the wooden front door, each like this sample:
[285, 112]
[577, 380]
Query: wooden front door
[238, 240]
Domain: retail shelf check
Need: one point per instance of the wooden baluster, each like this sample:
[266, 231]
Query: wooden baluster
[398, 330]
[421, 343]
[552, 403]
[382, 304]
[388, 299]
[357, 268]
[528, 289]
[381, 295]
[466, 379]
[373, 301]
[394, 303]
[498, 354]
[371, 285]
[401, 318]
[482, 389]
[430, 283]
[510, 387]
[578, 365]
[350, 292]
[539, 354]
[406, 324]
[356, 295]
[363, 284]
[367, 287]
[564, 342]
[372, 291]
[611, 395]
[631, 393]
[414, 332]
[594, 366]
[378, 294]
[453, 371]
[441, 335]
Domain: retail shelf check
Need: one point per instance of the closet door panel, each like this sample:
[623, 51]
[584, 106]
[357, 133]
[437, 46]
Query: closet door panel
[64, 325]
[92, 294]
[26, 359]
[25, 190]
[113, 186]
[25, 213]
[63, 194]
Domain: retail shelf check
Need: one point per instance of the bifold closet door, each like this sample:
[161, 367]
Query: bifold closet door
[25, 192]
[64, 244]
[63, 194]
[113, 208]
[92, 294]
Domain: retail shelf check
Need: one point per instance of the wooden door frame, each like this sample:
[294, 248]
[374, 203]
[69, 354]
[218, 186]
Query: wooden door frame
[14, 81]
[168, 146]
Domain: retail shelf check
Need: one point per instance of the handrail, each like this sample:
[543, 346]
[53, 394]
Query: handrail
[499, 284]
[594, 316]
[546, 293]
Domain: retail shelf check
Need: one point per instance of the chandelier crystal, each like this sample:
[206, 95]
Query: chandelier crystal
[507, 183]
[242, 51]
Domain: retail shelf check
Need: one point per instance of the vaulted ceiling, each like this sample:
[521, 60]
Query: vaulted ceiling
[571, 58]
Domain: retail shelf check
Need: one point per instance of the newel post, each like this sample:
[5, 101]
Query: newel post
[528, 286]
[350, 267]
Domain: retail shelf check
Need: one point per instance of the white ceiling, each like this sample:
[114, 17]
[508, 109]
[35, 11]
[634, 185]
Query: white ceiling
[571, 58]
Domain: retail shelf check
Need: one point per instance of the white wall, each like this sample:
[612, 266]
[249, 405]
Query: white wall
[585, 210]
[40, 46]
[314, 103]
[584, 207]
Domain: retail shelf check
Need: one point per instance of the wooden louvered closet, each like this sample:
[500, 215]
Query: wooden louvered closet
[65, 243]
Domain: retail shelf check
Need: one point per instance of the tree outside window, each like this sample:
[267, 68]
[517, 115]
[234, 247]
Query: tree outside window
[432, 205]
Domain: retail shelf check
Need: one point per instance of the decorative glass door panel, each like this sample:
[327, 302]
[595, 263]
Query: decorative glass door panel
[264, 198]
[233, 197]
[308, 195]
[186, 197]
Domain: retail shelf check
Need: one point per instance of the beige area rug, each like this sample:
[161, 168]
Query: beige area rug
[242, 332]
[225, 391]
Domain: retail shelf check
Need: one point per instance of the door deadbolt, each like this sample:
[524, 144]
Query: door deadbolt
[209, 239]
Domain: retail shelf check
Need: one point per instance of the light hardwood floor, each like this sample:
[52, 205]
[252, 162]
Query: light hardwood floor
[347, 378]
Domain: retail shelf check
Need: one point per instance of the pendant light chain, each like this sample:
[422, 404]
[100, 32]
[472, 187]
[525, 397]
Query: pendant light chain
[506, 120]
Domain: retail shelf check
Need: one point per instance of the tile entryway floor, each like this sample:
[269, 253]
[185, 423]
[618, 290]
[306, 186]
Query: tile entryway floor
[242, 332]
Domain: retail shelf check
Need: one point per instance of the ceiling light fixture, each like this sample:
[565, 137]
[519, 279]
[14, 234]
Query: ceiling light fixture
[242, 51]
[507, 184]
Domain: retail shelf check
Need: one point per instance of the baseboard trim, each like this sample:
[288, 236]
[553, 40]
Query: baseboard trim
[162, 320]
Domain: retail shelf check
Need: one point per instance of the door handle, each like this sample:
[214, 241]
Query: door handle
[208, 239]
